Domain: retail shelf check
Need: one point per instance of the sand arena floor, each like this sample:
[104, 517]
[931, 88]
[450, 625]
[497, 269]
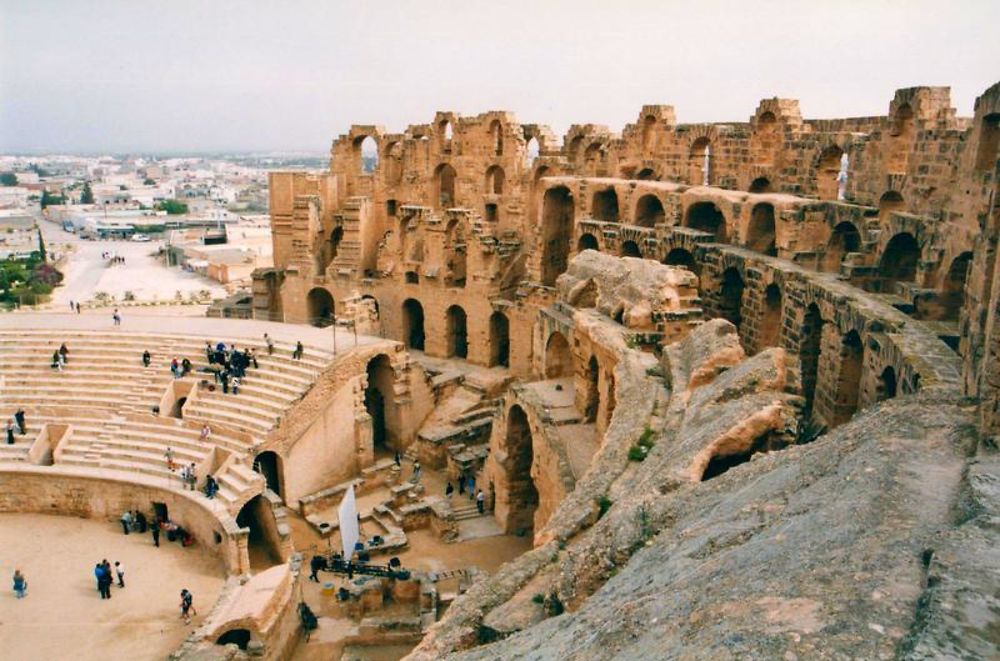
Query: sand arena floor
[63, 617]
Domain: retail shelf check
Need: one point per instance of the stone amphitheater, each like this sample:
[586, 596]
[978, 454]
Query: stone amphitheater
[734, 385]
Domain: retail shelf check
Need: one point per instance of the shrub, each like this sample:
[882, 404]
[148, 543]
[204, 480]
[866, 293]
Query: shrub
[538, 598]
[637, 453]
[603, 505]
[646, 438]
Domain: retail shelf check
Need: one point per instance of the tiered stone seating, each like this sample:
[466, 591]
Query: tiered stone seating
[107, 395]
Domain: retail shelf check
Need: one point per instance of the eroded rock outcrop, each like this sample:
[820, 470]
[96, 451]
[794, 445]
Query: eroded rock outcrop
[729, 541]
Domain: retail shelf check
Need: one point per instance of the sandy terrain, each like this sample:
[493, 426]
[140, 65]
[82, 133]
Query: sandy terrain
[63, 617]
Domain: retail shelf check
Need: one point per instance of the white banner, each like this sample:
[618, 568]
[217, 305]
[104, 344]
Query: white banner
[348, 513]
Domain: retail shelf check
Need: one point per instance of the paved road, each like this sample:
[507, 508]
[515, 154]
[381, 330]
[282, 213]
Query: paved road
[87, 272]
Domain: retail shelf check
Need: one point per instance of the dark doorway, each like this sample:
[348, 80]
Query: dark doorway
[706, 217]
[631, 249]
[557, 228]
[413, 324]
[458, 341]
[378, 393]
[238, 637]
[499, 340]
[522, 494]
[731, 297]
[268, 464]
[587, 242]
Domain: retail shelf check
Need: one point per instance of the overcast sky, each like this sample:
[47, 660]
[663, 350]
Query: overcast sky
[204, 75]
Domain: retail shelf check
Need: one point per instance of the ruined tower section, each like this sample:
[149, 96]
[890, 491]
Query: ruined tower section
[979, 212]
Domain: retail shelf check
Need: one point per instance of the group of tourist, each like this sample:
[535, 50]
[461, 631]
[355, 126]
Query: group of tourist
[478, 496]
[189, 474]
[232, 364]
[74, 306]
[17, 422]
[113, 258]
[59, 357]
[106, 577]
[178, 368]
[136, 521]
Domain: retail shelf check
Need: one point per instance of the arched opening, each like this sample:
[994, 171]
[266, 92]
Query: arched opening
[761, 233]
[263, 545]
[238, 637]
[458, 341]
[886, 386]
[558, 359]
[445, 177]
[368, 150]
[706, 217]
[845, 401]
[649, 211]
[700, 162]
[605, 205]
[575, 146]
[336, 236]
[374, 303]
[320, 307]
[587, 242]
[499, 340]
[989, 141]
[494, 180]
[378, 396]
[844, 239]
[769, 333]
[532, 150]
[177, 410]
[649, 132]
[491, 213]
[413, 324]
[811, 338]
[760, 185]
[268, 464]
[889, 202]
[631, 249]
[522, 496]
[952, 296]
[899, 261]
[496, 134]
[593, 401]
[828, 173]
[681, 257]
[557, 228]
[446, 133]
[731, 297]
[646, 174]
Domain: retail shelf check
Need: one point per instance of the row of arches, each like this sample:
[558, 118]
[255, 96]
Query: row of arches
[457, 332]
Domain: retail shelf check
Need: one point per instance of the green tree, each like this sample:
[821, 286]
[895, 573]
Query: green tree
[48, 198]
[41, 246]
[8, 179]
[87, 196]
[173, 207]
[148, 182]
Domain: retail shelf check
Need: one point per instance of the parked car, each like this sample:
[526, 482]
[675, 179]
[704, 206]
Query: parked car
[140, 237]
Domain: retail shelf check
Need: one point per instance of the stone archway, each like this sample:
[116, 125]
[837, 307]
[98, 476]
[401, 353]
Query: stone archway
[731, 297]
[522, 495]
[761, 235]
[898, 262]
[263, 546]
[769, 327]
[706, 217]
[268, 464]
[851, 364]
[413, 324]
[320, 307]
[557, 228]
[380, 403]
[810, 345]
[587, 242]
[631, 249]
[457, 332]
[499, 340]
[649, 211]
[592, 403]
[844, 239]
[558, 358]
[604, 205]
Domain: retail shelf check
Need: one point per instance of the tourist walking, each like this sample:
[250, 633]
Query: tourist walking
[397, 460]
[192, 477]
[72, 306]
[416, 472]
[104, 579]
[211, 487]
[270, 344]
[206, 431]
[169, 454]
[236, 385]
[78, 307]
[20, 584]
[299, 350]
[126, 520]
[156, 532]
[317, 563]
[146, 358]
[117, 318]
[448, 490]
[64, 352]
[187, 606]
[19, 419]
[252, 355]
[10, 432]
[120, 571]
[481, 502]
